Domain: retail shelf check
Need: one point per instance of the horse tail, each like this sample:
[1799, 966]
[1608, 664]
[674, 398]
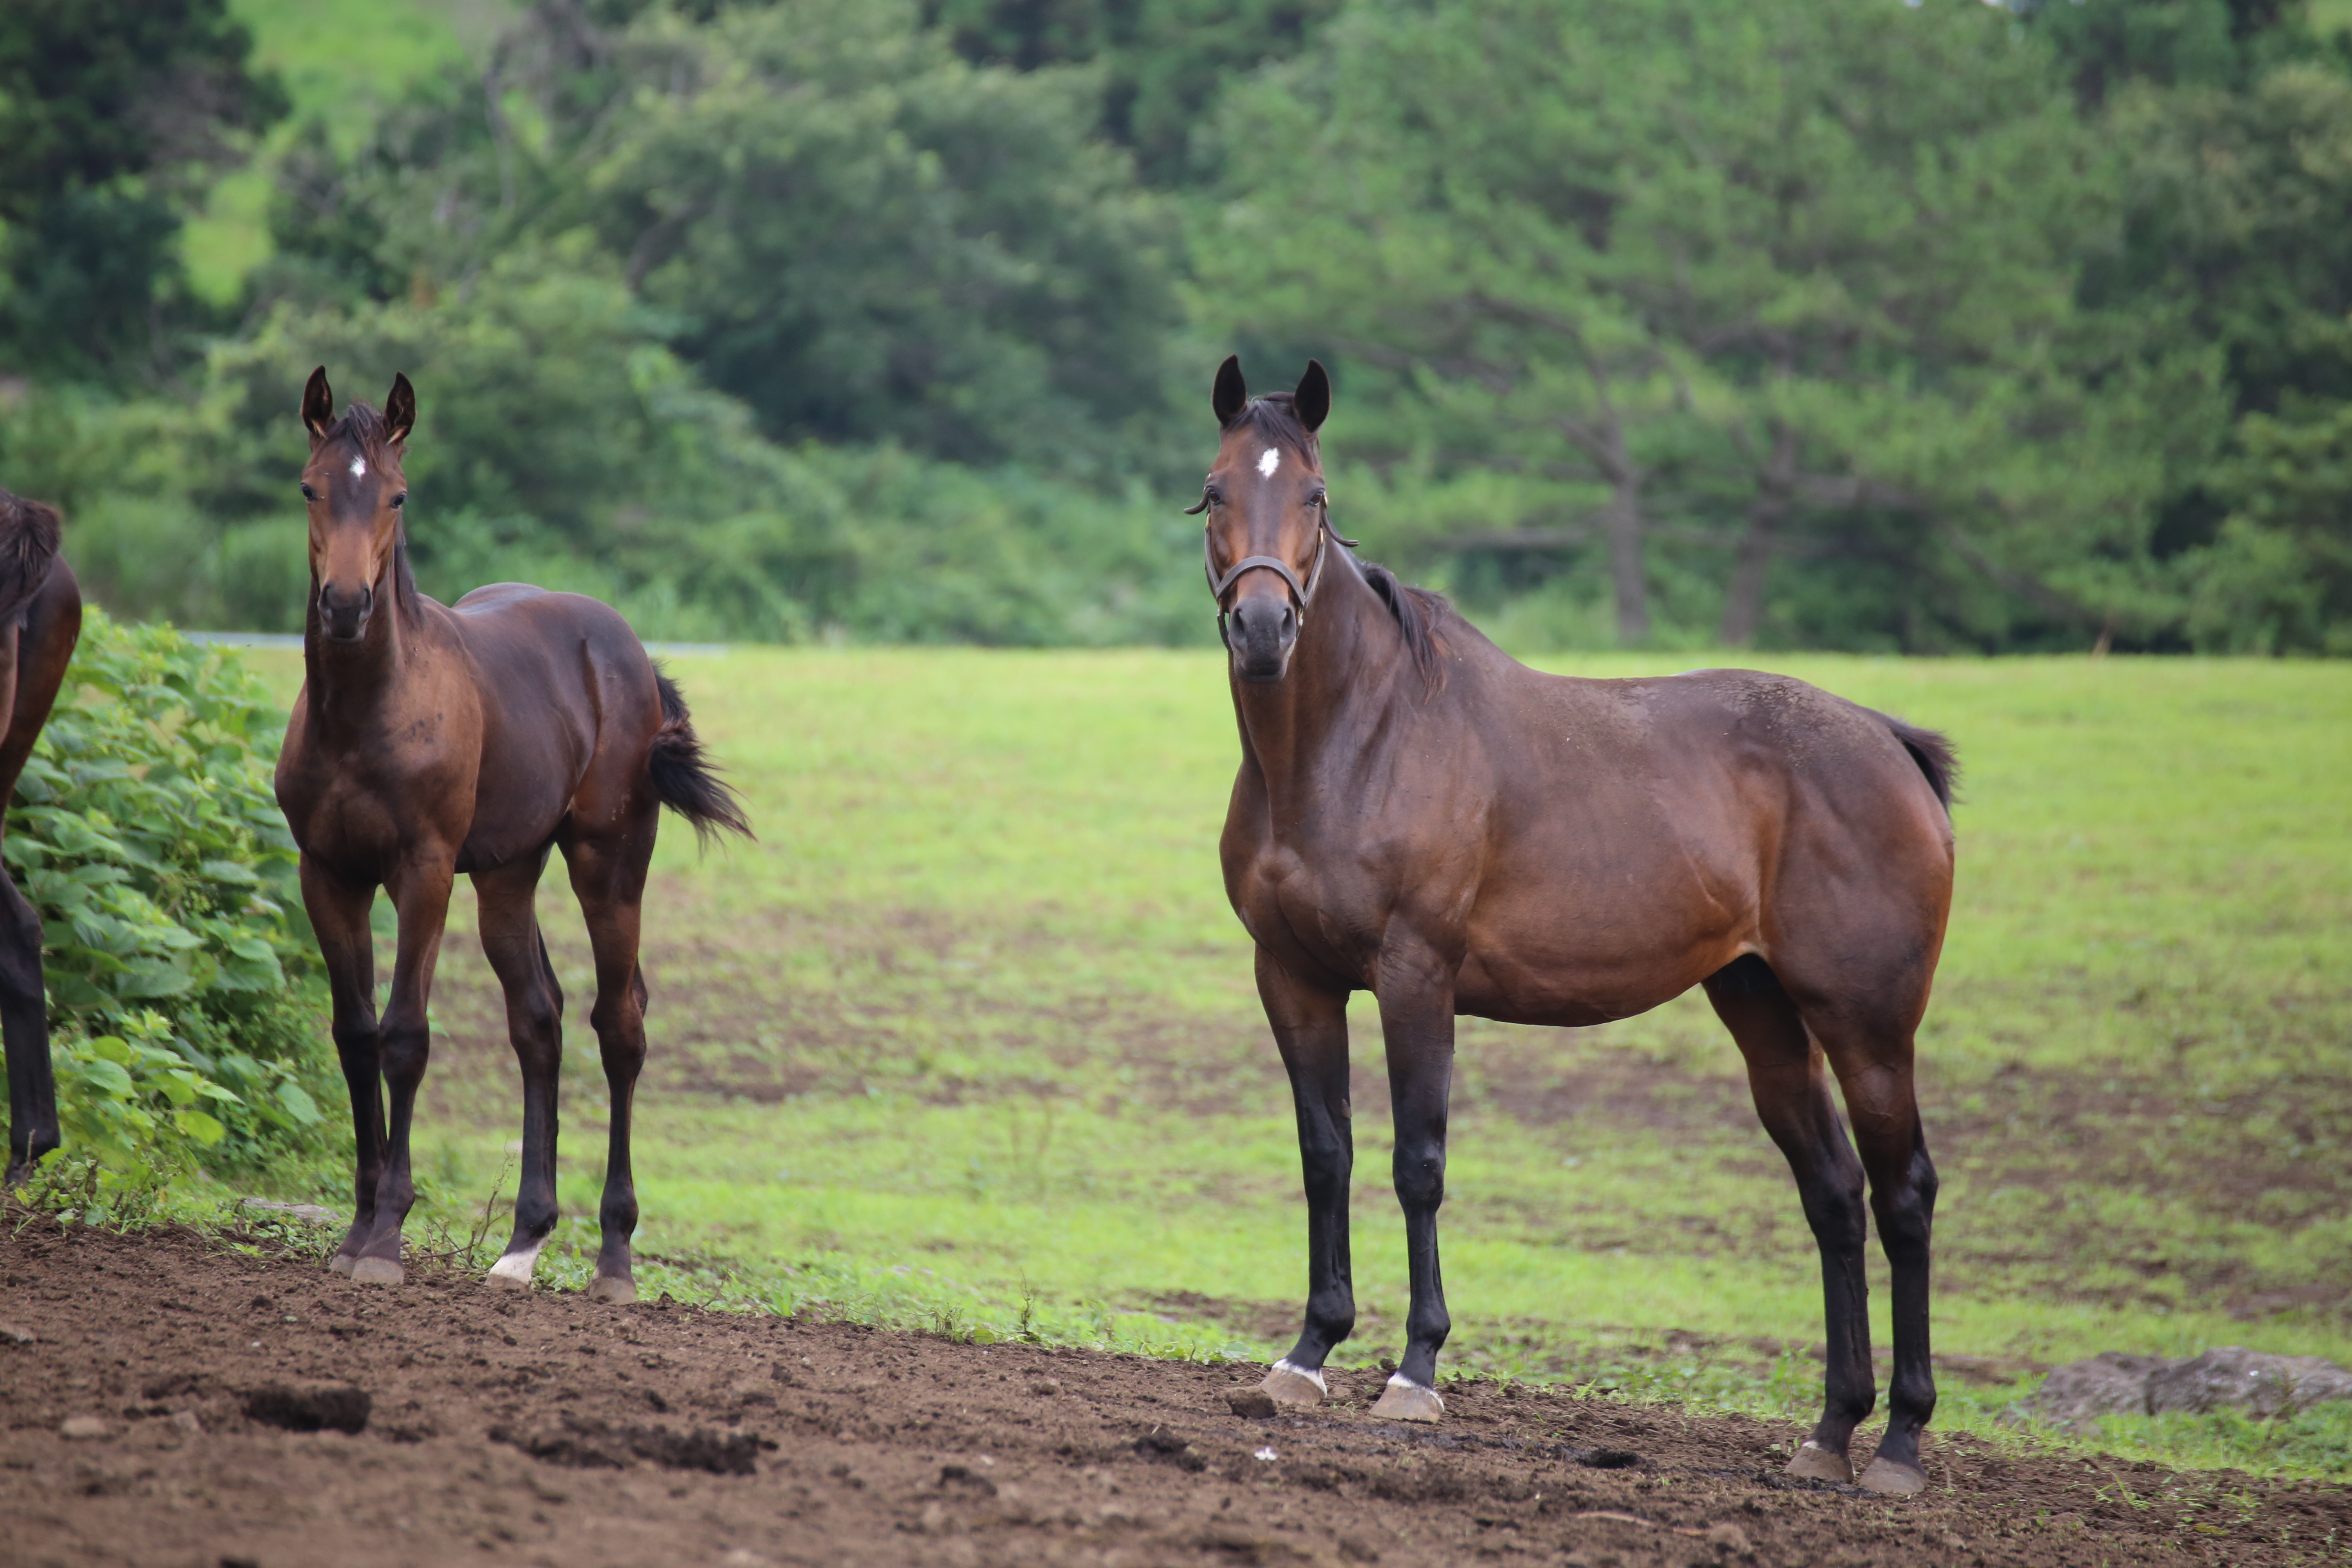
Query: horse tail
[1934, 755]
[28, 548]
[684, 778]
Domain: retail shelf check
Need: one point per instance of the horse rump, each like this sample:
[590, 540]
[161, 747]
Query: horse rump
[28, 548]
[1934, 753]
[682, 775]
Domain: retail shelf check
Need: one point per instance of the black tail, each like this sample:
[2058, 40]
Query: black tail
[682, 776]
[1931, 750]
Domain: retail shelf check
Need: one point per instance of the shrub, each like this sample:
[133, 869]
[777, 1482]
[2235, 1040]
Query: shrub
[184, 984]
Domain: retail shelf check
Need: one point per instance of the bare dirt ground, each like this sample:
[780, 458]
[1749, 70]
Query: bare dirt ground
[148, 1385]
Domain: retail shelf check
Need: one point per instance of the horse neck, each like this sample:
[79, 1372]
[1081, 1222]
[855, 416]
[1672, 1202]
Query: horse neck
[1345, 688]
[347, 683]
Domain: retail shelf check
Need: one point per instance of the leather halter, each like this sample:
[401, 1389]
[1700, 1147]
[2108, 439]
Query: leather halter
[1303, 591]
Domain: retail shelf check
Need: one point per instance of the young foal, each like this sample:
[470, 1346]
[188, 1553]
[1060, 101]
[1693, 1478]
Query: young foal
[429, 741]
[1421, 817]
[40, 622]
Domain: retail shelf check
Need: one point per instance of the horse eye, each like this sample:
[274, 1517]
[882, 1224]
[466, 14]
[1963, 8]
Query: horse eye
[308, 493]
[400, 501]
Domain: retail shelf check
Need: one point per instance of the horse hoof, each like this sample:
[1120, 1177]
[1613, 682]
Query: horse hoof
[612, 1290]
[1889, 1479]
[1817, 1463]
[1404, 1400]
[340, 1263]
[514, 1270]
[1289, 1385]
[378, 1271]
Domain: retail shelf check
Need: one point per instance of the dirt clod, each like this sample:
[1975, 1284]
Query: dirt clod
[309, 1406]
[1255, 1404]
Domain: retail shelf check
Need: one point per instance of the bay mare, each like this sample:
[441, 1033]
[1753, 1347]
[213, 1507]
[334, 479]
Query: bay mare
[1419, 815]
[476, 739]
[40, 623]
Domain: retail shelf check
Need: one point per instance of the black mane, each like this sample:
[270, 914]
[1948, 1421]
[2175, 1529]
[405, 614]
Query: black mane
[1418, 614]
[28, 548]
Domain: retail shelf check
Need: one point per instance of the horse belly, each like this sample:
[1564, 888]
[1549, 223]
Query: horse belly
[1579, 967]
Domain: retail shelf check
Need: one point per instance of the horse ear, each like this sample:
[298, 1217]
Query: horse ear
[399, 410]
[1312, 401]
[1231, 395]
[317, 406]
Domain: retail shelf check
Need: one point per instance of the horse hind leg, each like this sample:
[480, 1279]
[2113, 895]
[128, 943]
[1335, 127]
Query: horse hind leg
[1787, 1077]
[1873, 1068]
[608, 874]
[517, 952]
[33, 1129]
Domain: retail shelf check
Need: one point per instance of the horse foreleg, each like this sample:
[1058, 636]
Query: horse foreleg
[25, 1024]
[339, 916]
[1791, 1090]
[1417, 1019]
[1310, 1028]
[609, 876]
[517, 955]
[420, 891]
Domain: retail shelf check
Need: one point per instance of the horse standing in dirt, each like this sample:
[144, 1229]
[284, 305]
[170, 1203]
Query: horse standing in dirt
[40, 622]
[476, 738]
[1420, 815]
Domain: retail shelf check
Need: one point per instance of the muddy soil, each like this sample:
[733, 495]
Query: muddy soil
[150, 1387]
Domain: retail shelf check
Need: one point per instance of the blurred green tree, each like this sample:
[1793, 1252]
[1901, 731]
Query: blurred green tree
[112, 113]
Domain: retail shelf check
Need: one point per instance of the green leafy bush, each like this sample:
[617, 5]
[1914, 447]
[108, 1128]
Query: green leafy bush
[184, 989]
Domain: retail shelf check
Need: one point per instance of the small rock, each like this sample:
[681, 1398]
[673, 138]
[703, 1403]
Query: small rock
[1730, 1538]
[1255, 1402]
[2262, 1385]
[10, 1334]
[1355, 1549]
[309, 1406]
[84, 1427]
[2114, 1384]
[186, 1421]
[1046, 1387]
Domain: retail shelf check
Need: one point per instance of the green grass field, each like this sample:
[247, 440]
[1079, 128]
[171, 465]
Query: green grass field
[968, 1039]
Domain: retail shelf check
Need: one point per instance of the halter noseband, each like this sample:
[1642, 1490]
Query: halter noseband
[1303, 591]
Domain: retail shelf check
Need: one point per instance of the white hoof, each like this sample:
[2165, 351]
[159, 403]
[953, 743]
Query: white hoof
[515, 1269]
[612, 1290]
[1290, 1384]
[340, 1263]
[1405, 1400]
[378, 1271]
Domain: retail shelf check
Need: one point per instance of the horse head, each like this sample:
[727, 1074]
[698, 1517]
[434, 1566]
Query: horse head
[355, 490]
[1267, 523]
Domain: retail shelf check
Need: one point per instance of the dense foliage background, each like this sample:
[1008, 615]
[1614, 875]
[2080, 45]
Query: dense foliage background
[1846, 323]
[184, 997]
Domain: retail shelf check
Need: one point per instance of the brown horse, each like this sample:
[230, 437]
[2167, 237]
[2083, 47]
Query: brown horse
[1419, 815]
[429, 741]
[40, 622]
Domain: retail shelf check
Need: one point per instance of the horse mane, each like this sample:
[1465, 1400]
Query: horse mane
[363, 426]
[1418, 614]
[28, 548]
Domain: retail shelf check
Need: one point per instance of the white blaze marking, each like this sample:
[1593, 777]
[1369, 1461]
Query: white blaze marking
[1271, 462]
[359, 468]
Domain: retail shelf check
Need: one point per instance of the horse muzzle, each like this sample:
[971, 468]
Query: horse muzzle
[345, 614]
[1261, 633]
